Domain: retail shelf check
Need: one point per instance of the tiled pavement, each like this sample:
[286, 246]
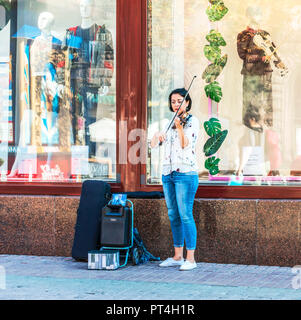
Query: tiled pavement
[62, 278]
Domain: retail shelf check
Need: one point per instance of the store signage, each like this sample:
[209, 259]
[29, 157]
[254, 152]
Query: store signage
[255, 160]
[28, 160]
[79, 160]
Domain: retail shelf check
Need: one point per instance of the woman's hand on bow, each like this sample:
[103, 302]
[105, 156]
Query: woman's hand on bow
[158, 137]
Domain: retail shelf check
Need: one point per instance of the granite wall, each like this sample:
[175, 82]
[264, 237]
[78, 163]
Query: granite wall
[260, 232]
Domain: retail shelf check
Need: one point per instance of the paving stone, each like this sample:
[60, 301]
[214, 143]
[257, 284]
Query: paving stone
[62, 278]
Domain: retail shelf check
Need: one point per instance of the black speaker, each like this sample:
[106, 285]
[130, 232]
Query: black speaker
[116, 226]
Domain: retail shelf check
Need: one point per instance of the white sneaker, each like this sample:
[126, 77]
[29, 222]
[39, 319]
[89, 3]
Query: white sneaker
[170, 262]
[187, 265]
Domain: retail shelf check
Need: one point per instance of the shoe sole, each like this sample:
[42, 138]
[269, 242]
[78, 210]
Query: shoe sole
[187, 269]
[172, 265]
[175, 265]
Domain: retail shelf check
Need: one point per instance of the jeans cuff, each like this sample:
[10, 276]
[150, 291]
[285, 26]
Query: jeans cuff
[178, 246]
[190, 248]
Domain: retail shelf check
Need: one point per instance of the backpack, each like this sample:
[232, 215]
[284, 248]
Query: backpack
[138, 252]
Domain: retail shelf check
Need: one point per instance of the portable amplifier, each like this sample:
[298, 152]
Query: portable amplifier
[116, 224]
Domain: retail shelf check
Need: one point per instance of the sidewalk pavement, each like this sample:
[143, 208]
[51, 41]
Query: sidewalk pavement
[62, 278]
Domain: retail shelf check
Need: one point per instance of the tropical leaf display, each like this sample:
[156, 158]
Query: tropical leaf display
[212, 127]
[214, 143]
[216, 11]
[215, 38]
[214, 91]
[211, 164]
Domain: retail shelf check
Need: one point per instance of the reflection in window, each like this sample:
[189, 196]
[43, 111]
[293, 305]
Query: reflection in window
[261, 102]
[64, 112]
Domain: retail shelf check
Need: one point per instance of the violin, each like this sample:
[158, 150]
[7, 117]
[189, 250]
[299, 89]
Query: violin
[184, 117]
[265, 43]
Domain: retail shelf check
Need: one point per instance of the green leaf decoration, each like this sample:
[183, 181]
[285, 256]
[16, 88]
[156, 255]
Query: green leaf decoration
[213, 144]
[212, 53]
[223, 61]
[214, 91]
[214, 170]
[211, 164]
[217, 11]
[212, 127]
[212, 71]
[1, 162]
[215, 39]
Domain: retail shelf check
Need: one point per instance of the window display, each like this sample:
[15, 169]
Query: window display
[63, 87]
[256, 98]
[91, 71]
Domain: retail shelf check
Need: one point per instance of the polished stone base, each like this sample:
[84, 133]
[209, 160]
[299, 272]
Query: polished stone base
[256, 232]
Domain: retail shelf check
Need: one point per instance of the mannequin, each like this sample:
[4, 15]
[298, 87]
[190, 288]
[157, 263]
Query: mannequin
[86, 10]
[44, 82]
[45, 90]
[42, 45]
[256, 71]
[91, 70]
[257, 91]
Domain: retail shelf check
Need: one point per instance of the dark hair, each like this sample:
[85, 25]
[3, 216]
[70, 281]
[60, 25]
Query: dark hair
[182, 92]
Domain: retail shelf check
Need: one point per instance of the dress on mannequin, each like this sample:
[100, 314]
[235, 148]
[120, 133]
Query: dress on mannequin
[91, 71]
[257, 80]
[42, 50]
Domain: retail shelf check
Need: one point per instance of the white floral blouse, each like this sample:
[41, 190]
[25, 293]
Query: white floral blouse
[177, 158]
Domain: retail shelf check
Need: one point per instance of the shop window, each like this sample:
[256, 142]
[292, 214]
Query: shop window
[260, 78]
[58, 90]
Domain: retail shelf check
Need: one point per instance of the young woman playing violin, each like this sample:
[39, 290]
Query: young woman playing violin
[180, 178]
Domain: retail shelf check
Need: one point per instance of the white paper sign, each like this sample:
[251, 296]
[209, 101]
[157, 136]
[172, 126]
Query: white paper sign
[255, 162]
[28, 160]
[79, 160]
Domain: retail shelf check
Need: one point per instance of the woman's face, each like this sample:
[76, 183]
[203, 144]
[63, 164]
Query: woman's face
[176, 100]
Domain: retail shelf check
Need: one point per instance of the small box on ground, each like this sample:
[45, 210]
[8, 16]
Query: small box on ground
[103, 259]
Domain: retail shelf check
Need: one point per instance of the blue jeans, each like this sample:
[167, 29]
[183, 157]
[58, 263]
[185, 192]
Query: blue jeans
[179, 191]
